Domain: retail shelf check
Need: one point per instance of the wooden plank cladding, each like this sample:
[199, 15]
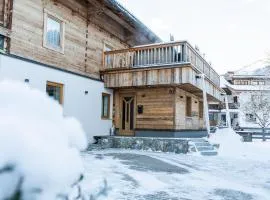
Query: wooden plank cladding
[181, 76]
[164, 55]
[85, 27]
[160, 109]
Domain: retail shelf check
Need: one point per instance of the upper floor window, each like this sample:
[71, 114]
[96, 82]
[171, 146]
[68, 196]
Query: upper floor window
[258, 82]
[109, 58]
[53, 33]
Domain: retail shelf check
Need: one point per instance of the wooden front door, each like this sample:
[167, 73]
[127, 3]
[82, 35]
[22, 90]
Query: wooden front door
[127, 115]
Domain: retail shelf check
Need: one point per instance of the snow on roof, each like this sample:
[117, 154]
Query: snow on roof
[223, 82]
[250, 87]
[121, 10]
[251, 77]
[259, 67]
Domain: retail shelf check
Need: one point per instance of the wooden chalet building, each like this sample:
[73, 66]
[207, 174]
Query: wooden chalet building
[104, 66]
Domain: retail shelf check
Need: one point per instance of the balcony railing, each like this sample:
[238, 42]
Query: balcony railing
[165, 54]
[231, 106]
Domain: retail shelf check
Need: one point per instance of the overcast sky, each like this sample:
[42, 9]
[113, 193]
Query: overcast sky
[232, 33]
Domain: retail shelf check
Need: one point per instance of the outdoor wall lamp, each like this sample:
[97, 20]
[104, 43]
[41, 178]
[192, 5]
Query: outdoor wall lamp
[26, 80]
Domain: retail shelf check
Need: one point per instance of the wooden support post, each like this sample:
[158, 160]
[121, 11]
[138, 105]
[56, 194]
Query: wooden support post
[205, 104]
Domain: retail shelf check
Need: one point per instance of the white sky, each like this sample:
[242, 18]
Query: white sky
[232, 33]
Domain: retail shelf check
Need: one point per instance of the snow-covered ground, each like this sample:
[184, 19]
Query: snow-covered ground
[148, 175]
[241, 171]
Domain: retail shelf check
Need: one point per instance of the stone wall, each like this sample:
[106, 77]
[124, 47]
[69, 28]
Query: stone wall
[139, 143]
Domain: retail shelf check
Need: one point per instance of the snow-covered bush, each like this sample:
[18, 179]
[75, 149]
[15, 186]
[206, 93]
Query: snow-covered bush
[39, 147]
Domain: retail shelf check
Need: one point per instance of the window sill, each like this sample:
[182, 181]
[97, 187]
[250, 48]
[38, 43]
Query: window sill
[54, 49]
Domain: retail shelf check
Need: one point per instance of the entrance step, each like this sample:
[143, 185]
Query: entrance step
[202, 146]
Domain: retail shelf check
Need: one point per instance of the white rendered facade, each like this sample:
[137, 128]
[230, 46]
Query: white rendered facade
[82, 96]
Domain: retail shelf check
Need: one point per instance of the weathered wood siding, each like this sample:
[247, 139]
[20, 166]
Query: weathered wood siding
[158, 77]
[163, 109]
[158, 106]
[181, 120]
[83, 46]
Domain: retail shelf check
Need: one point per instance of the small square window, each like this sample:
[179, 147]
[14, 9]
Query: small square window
[55, 91]
[53, 33]
[105, 106]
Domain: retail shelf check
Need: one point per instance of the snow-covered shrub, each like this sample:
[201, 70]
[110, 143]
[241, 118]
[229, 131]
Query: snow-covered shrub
[39, 147]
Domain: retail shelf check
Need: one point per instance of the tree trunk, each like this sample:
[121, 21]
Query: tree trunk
[264, 139]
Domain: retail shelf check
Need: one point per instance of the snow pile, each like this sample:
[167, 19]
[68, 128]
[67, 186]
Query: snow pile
[231, 145]
[229, 141]
[39, 148]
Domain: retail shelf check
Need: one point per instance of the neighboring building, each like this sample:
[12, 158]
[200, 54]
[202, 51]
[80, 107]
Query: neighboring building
[58, 47]
[239, 87]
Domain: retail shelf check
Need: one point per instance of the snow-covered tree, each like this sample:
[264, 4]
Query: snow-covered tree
[39, 147]
[258, 105]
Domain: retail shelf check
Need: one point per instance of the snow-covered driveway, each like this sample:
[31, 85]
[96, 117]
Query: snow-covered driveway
[126, 174]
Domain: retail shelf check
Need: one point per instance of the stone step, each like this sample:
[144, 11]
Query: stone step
[209, 153]
[210, 148]
[203, 147]
[198, 140]
[202, 144]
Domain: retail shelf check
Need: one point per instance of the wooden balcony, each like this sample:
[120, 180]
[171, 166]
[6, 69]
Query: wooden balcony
[159, 55]
[166, 64]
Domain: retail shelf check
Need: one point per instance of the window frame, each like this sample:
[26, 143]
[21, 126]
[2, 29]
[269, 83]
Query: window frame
[106, 44]
[61, 86]
[201, 110]
[62, 22]
[188, 106]
[109, 106]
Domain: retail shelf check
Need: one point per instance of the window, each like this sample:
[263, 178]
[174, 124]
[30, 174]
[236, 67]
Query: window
[2, 42]
[188, 107]
[250, 118]
[108, 58]
[211, 117]
[200, 109]
[105, 106]
[53, 33]
[55, 91]
[258, 82]
[235, 99]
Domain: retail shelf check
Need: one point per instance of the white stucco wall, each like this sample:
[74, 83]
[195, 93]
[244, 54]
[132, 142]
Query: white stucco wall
[86, 108]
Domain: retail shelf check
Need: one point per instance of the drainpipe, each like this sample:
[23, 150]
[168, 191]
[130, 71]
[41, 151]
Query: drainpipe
[205, 103]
